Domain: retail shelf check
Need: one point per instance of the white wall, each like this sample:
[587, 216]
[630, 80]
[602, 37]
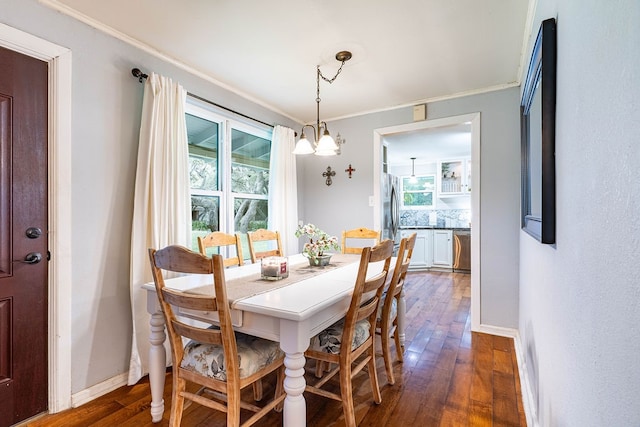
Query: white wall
[344, 204]
[580, 298]
[106, 108]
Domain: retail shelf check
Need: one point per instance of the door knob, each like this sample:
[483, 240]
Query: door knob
[31, 258]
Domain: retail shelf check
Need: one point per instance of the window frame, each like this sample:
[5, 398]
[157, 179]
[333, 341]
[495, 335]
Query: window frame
[227, 122]
[432, 191]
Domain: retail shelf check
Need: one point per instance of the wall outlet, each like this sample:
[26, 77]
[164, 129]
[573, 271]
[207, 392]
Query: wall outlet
[371, 201]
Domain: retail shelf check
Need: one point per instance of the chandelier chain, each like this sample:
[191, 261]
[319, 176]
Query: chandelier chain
[331, 80]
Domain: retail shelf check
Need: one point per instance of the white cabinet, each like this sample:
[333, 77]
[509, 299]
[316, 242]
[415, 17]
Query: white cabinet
[423, 250]
[454, 177]
[442, 249]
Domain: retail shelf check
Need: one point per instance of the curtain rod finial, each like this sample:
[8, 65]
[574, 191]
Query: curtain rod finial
[139, 74]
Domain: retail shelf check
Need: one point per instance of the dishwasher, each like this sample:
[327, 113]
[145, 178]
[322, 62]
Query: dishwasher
[462, 251]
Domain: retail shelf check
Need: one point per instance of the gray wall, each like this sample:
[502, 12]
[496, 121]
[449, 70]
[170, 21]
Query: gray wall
[106, 108]
[579, 298]
[345, 204]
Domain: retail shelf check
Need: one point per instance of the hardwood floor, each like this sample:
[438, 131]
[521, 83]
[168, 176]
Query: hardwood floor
[450, 376]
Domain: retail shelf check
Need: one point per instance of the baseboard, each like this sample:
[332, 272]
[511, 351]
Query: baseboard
[91, 393]
[525, 383]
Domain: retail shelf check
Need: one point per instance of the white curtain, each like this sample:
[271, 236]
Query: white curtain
[283, 188]
[161, 209]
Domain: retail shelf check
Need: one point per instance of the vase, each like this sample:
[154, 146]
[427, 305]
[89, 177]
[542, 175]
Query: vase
[320, 260]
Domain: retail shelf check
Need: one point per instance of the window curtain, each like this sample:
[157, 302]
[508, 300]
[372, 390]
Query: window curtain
[161, 209]
[283, 188]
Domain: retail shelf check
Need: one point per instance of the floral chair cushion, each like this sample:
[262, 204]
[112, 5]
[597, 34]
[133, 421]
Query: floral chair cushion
[208, 359]
[329, 340]
[394, 308]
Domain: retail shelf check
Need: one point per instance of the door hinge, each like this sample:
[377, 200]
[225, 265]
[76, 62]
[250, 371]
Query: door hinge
[48, 255]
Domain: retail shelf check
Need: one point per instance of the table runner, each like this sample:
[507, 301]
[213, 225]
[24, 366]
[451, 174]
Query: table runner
[250, 285]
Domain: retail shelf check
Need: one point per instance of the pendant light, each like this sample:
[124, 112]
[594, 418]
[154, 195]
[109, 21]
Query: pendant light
[324, 144]
[413, 178]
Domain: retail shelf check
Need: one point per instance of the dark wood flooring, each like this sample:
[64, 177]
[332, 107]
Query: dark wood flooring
[450, 376]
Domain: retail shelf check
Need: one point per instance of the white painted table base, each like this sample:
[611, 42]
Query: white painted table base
[289, 315]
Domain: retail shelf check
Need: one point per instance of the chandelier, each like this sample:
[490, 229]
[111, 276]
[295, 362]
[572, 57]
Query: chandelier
[324, 144]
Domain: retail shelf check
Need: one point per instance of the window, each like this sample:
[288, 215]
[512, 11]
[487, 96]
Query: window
[418, 194]
[228, 172]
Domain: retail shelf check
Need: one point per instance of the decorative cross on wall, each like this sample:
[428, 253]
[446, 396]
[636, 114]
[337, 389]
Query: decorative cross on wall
[350, 170]
[328, 174]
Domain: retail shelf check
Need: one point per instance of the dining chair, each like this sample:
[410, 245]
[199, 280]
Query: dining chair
[218, 239]
[218, 359]
[263, 243]
[387, 319]
[360, 234]
[357, 329]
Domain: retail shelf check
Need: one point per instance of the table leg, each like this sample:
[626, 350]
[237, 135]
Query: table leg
[157, 365]
[401, 315]
[294, 340]
[295, 407]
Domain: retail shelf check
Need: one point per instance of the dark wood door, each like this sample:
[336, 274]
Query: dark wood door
[23, 237]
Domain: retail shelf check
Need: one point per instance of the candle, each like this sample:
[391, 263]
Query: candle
[274, 268]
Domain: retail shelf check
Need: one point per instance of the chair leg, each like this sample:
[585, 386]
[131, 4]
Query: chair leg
[279, 389]
[233, 408]
[399, 348]
[319, 368]
[373, 375]
[386, 355]
[346, 392]
[257, 390]
[177, 401]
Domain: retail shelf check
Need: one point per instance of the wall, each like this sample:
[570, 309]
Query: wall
[579, 298]
[106, 107]
[345, 204]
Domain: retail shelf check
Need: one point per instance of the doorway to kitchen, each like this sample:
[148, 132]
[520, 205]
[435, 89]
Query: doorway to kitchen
[381, 168]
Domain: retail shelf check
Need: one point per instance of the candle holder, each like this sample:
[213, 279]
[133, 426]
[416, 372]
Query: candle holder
[274, 268]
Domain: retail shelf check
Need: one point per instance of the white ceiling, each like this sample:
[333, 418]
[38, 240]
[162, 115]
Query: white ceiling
[405, 52]
[428, 145]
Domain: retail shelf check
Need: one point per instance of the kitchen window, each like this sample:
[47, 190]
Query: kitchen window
[228, 172]
[418, 191]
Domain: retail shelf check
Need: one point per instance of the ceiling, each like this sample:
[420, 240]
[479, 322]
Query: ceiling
[429, 145]
[405, 52]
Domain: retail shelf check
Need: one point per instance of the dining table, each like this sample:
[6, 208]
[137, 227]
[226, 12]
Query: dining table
[289, 311]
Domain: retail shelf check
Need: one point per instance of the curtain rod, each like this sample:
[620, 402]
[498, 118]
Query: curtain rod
[141, 76]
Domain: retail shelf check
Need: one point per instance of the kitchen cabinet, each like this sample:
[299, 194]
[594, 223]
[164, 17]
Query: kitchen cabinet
[442, 249]
[454, 177]
[423, 251]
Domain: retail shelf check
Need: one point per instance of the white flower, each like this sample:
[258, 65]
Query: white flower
[319, 241]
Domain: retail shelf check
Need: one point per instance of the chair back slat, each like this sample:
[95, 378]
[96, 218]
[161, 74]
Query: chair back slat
[263, 235]
[219, 240]
[360, 234]
[192, 302]
[205, 336]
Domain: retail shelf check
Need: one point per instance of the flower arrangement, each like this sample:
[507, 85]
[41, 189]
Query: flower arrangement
[318, 243]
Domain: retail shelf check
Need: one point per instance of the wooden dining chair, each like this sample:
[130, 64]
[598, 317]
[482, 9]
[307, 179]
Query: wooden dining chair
[357, 329]
[360, 234]
[263, 243]
[387, 319]
[218, 359]
[219, 240]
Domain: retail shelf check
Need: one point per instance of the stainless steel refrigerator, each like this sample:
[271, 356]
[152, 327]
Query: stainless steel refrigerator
[391, 208]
